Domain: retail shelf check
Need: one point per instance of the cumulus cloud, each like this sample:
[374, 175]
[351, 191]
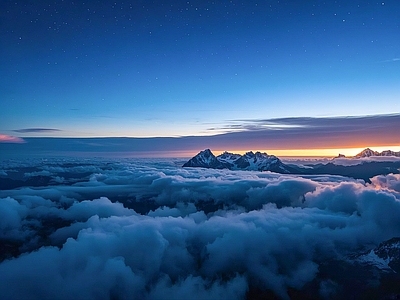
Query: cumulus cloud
[102, 207]
[12, 215]
[124, 229]
[390, 182]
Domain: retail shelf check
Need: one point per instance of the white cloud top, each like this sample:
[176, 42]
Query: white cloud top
[122, 229]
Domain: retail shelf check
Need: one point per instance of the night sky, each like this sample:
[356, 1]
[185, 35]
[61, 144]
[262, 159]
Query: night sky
[183, 68]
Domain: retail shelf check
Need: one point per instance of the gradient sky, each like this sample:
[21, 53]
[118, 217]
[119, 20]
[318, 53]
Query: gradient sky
[180, 68]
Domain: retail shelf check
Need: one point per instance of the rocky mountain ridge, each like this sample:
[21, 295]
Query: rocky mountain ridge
[249, 161]
[368, 153]
[384, 257]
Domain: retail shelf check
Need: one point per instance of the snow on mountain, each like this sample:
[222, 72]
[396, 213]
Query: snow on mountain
[390, 153]
[385, 257]
[368, 153]
[228, 157]
[206, 159]
[257, 161]
[250, 161]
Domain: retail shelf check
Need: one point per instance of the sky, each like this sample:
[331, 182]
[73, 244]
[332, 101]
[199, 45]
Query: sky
[196, 68]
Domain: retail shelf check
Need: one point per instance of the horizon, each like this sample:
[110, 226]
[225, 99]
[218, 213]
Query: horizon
[283, 137]
[127, 147]
[271, 75]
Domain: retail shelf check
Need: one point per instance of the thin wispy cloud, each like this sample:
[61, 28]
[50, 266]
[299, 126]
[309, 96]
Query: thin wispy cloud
[305, 123]
[392, 60]
[36, 130]
[305, 132]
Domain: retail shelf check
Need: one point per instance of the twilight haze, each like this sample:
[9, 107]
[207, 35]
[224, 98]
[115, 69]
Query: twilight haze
[262, 75]
[114, 119]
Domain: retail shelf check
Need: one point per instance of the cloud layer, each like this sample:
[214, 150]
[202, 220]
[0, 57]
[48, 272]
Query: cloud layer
[271, 134]
[152, 230]
[308, 133]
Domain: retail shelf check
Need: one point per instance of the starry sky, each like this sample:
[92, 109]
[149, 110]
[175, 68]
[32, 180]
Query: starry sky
[192, 68]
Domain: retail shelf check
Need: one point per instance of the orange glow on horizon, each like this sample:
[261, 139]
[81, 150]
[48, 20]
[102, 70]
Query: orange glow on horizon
[313, 152]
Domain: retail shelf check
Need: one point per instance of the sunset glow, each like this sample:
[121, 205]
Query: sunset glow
[316, 152]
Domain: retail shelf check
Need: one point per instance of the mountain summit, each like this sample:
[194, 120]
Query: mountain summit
[206, 159]
[250, 161]
[368, 152]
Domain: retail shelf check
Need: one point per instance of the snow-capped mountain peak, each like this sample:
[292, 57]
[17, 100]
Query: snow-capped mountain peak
[368, 152]
[206, 155]
[228, 157]
[249, 161]
[385, 257]
[206, 159]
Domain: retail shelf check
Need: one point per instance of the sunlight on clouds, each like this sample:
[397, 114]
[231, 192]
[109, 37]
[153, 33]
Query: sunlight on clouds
[10, 139]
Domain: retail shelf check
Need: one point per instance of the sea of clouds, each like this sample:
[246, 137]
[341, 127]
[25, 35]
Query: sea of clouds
[149, 229]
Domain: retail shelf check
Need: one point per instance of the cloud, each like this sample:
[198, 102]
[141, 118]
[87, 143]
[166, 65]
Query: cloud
[390, 182]
[348, 161]
[103, 207]
[306, 133]
[117, 228]
[12, 216]
[392, 60]
[36, 130]
[11, 139]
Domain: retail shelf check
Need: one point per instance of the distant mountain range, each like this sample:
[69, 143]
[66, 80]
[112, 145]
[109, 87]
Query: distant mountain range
[263, 162]
[250, 161]
[368, 153]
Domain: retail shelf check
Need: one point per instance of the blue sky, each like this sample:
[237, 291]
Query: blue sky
[180, 68]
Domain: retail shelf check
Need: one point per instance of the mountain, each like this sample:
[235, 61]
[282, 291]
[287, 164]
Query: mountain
[264, 162]
[390, 153]
[384, 257]
[228, 157]
[260, 162]
[374, 274]
[206, 159]
[250, 161]
[368, 152]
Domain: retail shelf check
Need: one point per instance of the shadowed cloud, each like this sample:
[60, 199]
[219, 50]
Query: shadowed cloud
[147, 229]
[36, 130]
